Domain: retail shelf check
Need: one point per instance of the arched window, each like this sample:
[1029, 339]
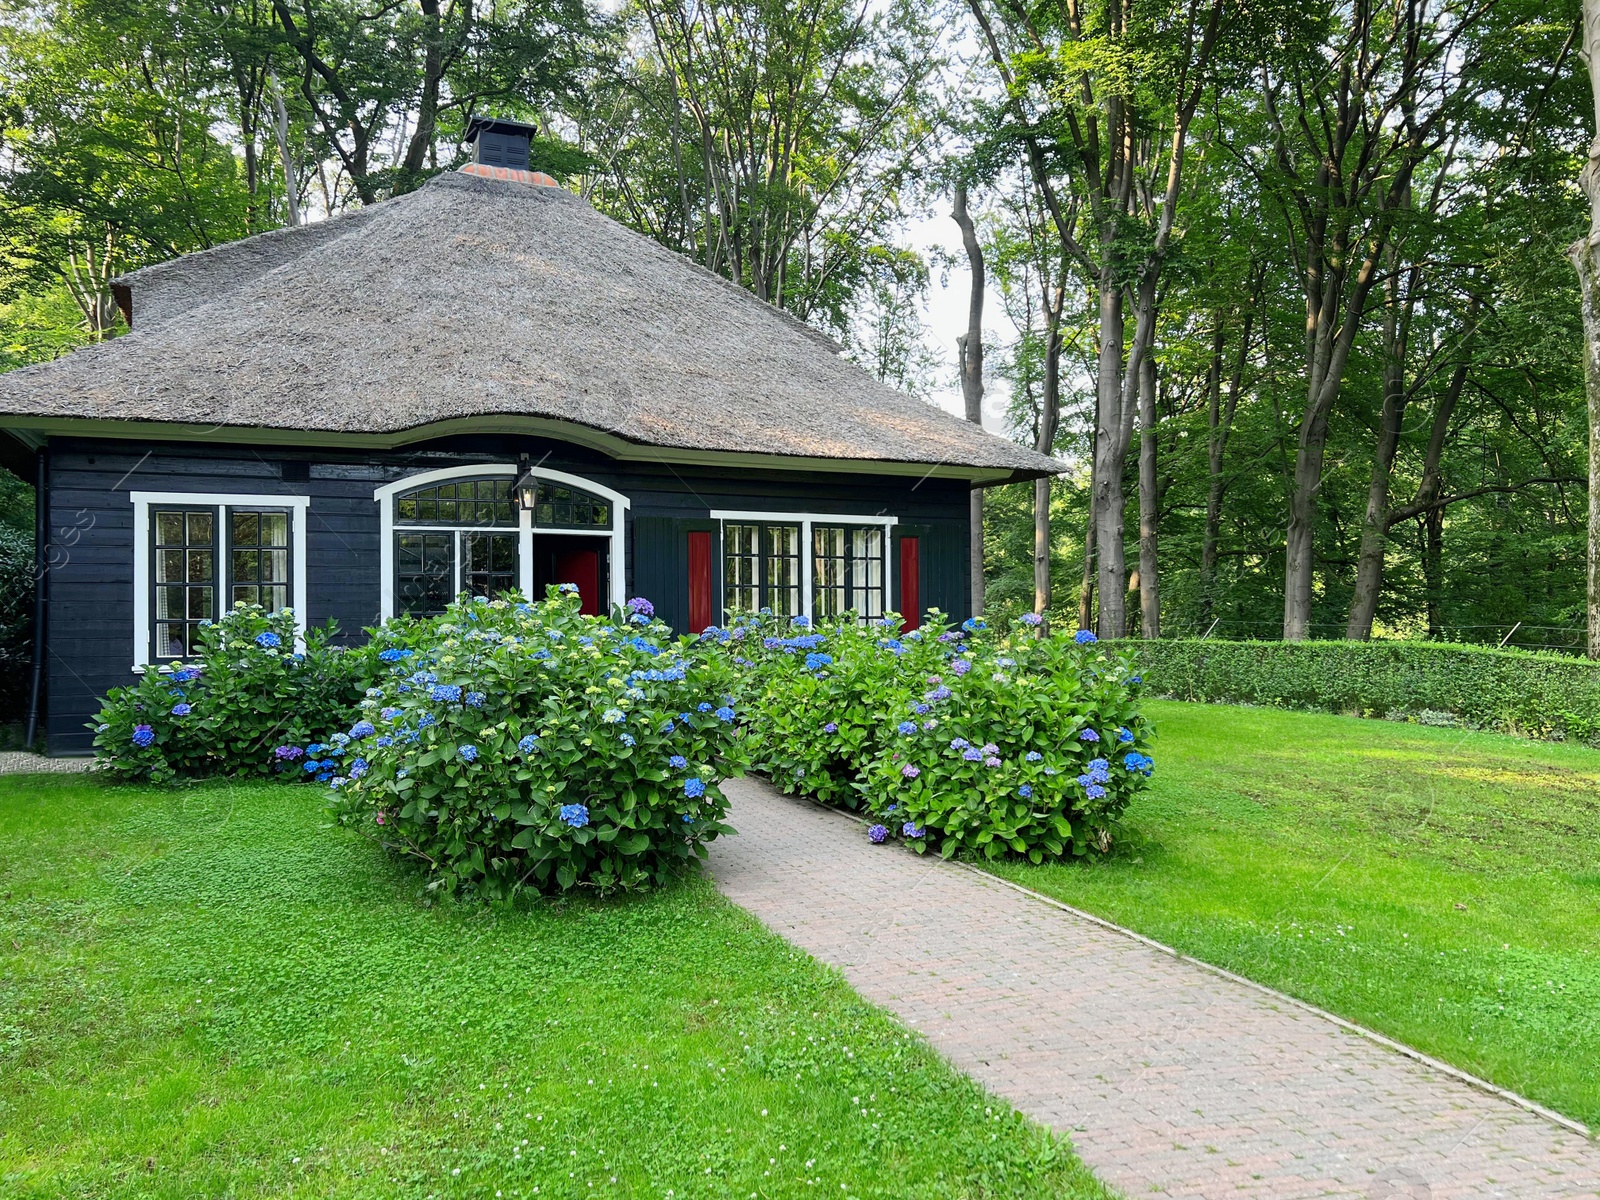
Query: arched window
[493, 528]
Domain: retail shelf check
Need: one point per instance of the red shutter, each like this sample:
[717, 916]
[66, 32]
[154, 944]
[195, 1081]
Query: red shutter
[700, 581]
[911, 581]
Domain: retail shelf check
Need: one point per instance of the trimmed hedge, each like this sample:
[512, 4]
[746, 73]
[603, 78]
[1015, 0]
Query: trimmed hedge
[1539, 695]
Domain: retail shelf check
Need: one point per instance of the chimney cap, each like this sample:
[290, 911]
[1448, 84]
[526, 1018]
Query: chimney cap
[479, 125]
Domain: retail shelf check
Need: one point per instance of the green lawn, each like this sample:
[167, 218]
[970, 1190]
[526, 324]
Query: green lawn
[206, 992]
[1438, 885]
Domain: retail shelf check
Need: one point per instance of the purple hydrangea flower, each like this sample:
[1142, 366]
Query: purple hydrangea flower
[910, 772]
[906, 727]
[641, 606]
[1088, 735]
[1032, 619]
[362, 729]
[830, 727]
[961, 666]
[877, 834]
[972, 754]
[287, 753]
[991, 762]
[181, 710]
[910, 830]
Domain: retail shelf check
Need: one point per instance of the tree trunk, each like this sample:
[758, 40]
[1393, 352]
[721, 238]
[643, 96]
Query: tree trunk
[280, 128]
[1583, 254]
[1220, 426]
[969, 351]
[1149, 503]
[1110, 502]
[1375, 522]
[1086, 592]
[1049, 414]
[1433, 567]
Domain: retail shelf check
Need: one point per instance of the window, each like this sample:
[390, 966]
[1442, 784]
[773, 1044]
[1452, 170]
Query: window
[762, 568]
[460, 502]
[205, 554]
[185, 577]
[425, 572]
[259, 545]
[558, 506]
[847, 571]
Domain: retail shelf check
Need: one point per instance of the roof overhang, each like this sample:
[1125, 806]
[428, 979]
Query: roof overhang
[35, 431]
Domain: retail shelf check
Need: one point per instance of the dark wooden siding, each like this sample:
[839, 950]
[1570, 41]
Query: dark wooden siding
[91, 533]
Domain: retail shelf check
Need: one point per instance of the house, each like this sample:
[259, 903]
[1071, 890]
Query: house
[481, 385]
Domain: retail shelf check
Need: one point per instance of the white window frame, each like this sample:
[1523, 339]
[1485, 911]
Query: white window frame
[385, 496]
[725, 517]
[299, 507]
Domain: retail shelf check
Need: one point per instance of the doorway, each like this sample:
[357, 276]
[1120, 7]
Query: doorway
[565, 558]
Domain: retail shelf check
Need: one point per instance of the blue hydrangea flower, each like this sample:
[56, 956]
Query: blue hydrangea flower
[143, 735]
[627, 739]
[939, 693]
[1124, 735]
[972, 754]
[385, 740]
[1084, 638]
[1032, 619]
[393, 655]
[362, 729]
[389, 714]
[184, 675]
[568, 589]
[910, 830]
[694, 788]
[181, 710]
[802, 622]
[877, 834]
[906, 727]
[613, 716]
[687, 819]
[973, 624]
[312, 767]
[1026, 791]
[268, 640]
[724, 714]
[576, 815]
[475, 699]
[1088, 735]
[447, 692]
[959, 743]
[704, 706]
[830, 727]
[1033, 756]
[358, 768]
[921, 710]
[815, 662]
[425, 720]
[677, 762]
[1094, 791]
[1137, 679]
[961, 666]
[468, 752]
[527, 744]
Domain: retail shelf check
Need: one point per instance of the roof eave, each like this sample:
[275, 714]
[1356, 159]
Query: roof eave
[36, 429]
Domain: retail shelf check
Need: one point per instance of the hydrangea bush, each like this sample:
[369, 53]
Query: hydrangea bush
[255, 686]
[954, 739]
[513, 746]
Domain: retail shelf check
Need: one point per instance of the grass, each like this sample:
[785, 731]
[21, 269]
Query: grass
[205, 992]
[1440, 886]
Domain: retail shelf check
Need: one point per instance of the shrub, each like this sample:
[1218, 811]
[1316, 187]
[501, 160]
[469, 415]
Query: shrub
[957, 740]
[1514, 691]
[517, 745]
[250, 691]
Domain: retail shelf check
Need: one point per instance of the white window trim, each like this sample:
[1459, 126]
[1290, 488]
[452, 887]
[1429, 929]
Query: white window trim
[725, 516]
[385, 496]
[300, 506]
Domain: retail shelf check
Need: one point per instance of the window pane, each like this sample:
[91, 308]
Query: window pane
[246, 595]
[425, 572]
[169, 566]
[275, 529]
[169, 528]
[246, 564]
[246, 529]
[169, 602]
[275, 597]
[199, 603]
[200, 527]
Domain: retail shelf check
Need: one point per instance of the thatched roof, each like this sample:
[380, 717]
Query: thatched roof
[482, 303]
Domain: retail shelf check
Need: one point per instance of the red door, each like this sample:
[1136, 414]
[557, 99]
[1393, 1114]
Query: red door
[699, 581]
[581, 567]
[911, 581]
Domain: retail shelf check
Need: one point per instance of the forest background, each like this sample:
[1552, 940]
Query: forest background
[1283, 284]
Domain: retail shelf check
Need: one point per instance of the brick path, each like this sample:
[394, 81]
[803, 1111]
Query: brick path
[1170, 1078]
[24, 762]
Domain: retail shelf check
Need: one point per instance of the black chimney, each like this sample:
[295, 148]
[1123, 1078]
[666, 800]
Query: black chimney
[497, 143]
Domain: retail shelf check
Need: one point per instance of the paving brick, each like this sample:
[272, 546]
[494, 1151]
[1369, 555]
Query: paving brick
[1169, 1079]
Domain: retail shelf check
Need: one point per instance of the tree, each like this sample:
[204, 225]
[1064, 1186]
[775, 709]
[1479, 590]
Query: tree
[1585, 257]
[969, 348]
